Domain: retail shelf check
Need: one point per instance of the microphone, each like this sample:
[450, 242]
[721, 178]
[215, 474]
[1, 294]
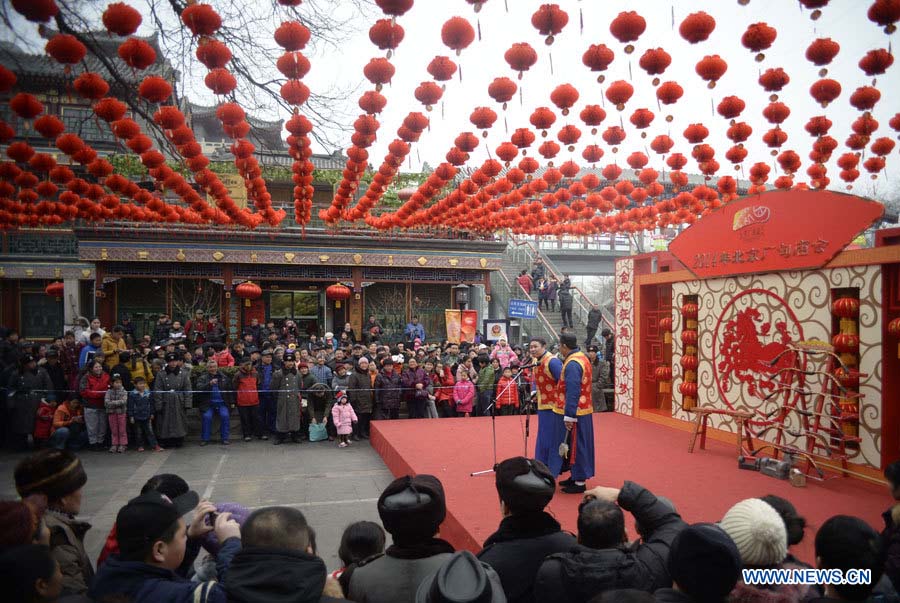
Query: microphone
[527, 366]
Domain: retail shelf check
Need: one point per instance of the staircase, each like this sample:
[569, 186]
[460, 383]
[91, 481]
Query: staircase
[520, 256]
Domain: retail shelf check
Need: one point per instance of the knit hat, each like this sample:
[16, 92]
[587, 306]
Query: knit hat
[53, 473]
[758, 531]
[704, 562]
[340, 396]
[412, 508]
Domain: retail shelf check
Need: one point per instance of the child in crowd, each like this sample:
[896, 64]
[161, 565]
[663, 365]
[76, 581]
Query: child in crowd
[464, 394]
[116, 405]
[507, 394]
[361, 540]
[140, 414]
[43, 424]
[344, 417]
[31, 574]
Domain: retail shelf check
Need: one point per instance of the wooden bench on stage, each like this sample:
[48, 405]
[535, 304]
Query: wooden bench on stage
[741, 417]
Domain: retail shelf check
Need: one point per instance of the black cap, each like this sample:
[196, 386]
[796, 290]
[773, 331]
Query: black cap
[461, 579]
[267, 352]
[524, 484]
[52, 352]
[704, 562]
[26, 358]
[412, 508]
[170, 356]
[289, 355]
[147, 517]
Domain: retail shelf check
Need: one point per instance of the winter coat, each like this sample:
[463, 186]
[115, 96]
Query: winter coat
[172, 396]
[599, 382]
[111, 348]
[122, 371]
[443, 385]
[583, 572]
[64, 416]
[139, 367]
[116, 401]
[782, 593]
[890, 539]
[245, 387]
[414, 331]
[263, 575]
[340, 383]
[565, 295]
[93, 389]
[288, 385]
[58, 378]
[43, 424]
[395, 577]
[507, 393]
[206, 393]
[67, 547]
[83, 355]
[412, 377]
[462, 368]
[140, 405]
[552, 288]
[543, 287]
[519, 546]
[25, 390]
[485, 381]
[361, 392]
[388, 389]
[161, 331]
[593, 318]
[504, 355]
[526, 283]
[323, 374]
[464, 396]
[138, 582]
[344, 417]
[215, 333]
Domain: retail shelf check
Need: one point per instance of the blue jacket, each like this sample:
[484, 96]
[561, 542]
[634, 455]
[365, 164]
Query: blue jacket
[264, 379]
[82, 358]
[138, 582]
[140, 405]
[414, 332]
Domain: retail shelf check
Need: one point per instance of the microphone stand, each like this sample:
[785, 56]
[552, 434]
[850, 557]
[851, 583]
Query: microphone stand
[493, 408]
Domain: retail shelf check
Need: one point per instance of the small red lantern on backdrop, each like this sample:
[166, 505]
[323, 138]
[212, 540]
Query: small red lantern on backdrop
[847, 309]
[7, 79]
[502, 89]
[665, 325]
[248, 291]
[845, 343]
[91, 86]
[156, 89]
[55, 289]
[689, 337]
[689, 362]
[619, 92]
[337, 293]
[663, 375]
[26, 106]
[847, 377]
[441, 68]
[825, 91]
[564, 96]
[549, 20]
[894, 329]
[36, 11]
[136, 53]
[688, 389]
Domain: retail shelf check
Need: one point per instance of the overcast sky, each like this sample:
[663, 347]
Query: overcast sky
[844, 21]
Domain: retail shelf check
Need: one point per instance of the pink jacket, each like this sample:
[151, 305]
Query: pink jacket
[344, 416]
[504, 355]
[464, 395]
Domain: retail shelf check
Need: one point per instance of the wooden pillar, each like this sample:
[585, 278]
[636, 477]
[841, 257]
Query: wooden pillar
[487, 285]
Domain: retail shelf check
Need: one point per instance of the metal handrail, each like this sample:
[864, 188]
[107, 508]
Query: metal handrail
[549, 264]
[548, 328]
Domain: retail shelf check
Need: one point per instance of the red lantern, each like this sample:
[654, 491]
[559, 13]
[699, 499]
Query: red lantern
[26, 106]
[110, 109]
[457, 34]
[885, 13]
[619, 92]
[697, 27]
[688, 389]
[822, 51]
[627, 27]
[522, 138]
[597, 58]
[818, 126]
[845, 343]
[876, 62]
[121, 19]
[849, 378]
[293, 65]
[663, 373]
[201, 19]
[689, 362]
[507, 151]
[689, 311]
[569, 135]
[825, 91]
[549, 20]
[521, 56]
[759, 37]
[36, 11]
[221, 82]
[502, 89]
[655, 61]
[292, 35]
[294, 92]
[49, 126]
[155, 89]
[696, 133]
[379, 71]
[845, 307]
[428, 93]
[386, 34]
[55, 289]
[136, 53]
[372, 102]
[483, 118]
[542, 118]
[441, 68]
[248, 291]
[882, 146]
[66, 49]
[338, 293]
[864, 98]
[689, 337]
[7, 79]
[774, 80]
[394, 8]
[91, 86]
[711, 68]
[564, 96]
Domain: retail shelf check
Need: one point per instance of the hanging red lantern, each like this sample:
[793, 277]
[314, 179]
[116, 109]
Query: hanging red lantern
[882, 146]
[592, 153]
[627, 27]
[662, 144]
[293, 65]
[457, 34]
[66, 49]
[570, 169]
[109, 109]
[739, 132]
[655, 61]
[776, 113]
[730, 107]
[598, 58]
[619, 92]
[542, 118]
[876, 62]
[825, 91]
[49, 126]
[55, 289]
[521, 57]
[507, 151]
[394, 8]
[789, 161]
[637, 160]
[689, 311]
[697, 27]
[845, 343]
[7, 79]
[37, 11]
[821, 52]
[155, 89]
[696, 133]
[483, 118]
[774, 80]
[121, 19]
[502, 89]
[569, 135]
[292, 35]
[428, 93]
[668, 93]
[70, 144]
[441, 68]
[885, 13]
[372, 102]
[549, 20]
[386, 34]
[564, 96]
[136, 53]
[522, 138]
[592, 115]
[845, 307]
[201, 19]
[90, 86]
[466, 142]
[294, 92]
[248, 291]
[818, 125]
[26, 106]
[864, 98]
[689, 362]
[688, 389]
[759, 37]
[548, 150]
[221, 82]
[663, 373]
[711, 68]
[379, 71]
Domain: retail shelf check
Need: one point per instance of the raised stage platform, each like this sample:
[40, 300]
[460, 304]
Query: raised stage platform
[703, 485]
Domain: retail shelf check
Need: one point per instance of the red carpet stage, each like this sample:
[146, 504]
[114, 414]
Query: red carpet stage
[702, 485]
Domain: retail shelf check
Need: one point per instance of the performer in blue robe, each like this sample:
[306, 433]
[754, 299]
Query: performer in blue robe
[575, 408]
[545, 383]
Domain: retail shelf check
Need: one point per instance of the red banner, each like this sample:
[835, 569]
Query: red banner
[469, 325]
[774, 231]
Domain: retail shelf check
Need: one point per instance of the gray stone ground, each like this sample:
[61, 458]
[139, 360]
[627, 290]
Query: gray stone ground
[333, 487]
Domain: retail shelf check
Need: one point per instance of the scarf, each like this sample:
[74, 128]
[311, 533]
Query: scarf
[419, 550]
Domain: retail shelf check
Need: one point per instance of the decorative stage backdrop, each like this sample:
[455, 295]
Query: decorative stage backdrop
[625, 367]
[746, 318]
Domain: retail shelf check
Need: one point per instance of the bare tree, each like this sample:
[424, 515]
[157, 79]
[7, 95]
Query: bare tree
[190, 295]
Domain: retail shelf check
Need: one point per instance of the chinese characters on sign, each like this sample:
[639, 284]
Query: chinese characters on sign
[803, 247]
[522, 308]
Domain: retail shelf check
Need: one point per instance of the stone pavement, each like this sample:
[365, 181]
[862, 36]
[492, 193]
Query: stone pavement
[332, 487]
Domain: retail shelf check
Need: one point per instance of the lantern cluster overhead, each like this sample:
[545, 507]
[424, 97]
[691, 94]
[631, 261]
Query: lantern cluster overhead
[610, 151]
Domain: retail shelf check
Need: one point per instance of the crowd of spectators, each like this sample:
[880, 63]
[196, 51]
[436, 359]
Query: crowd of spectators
[153, 554]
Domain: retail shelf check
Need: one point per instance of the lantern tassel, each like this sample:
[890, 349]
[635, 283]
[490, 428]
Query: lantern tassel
[550, 54]
[506, 5]
[442, 110]
[581, 19]
[505, 126]
[479, 29]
